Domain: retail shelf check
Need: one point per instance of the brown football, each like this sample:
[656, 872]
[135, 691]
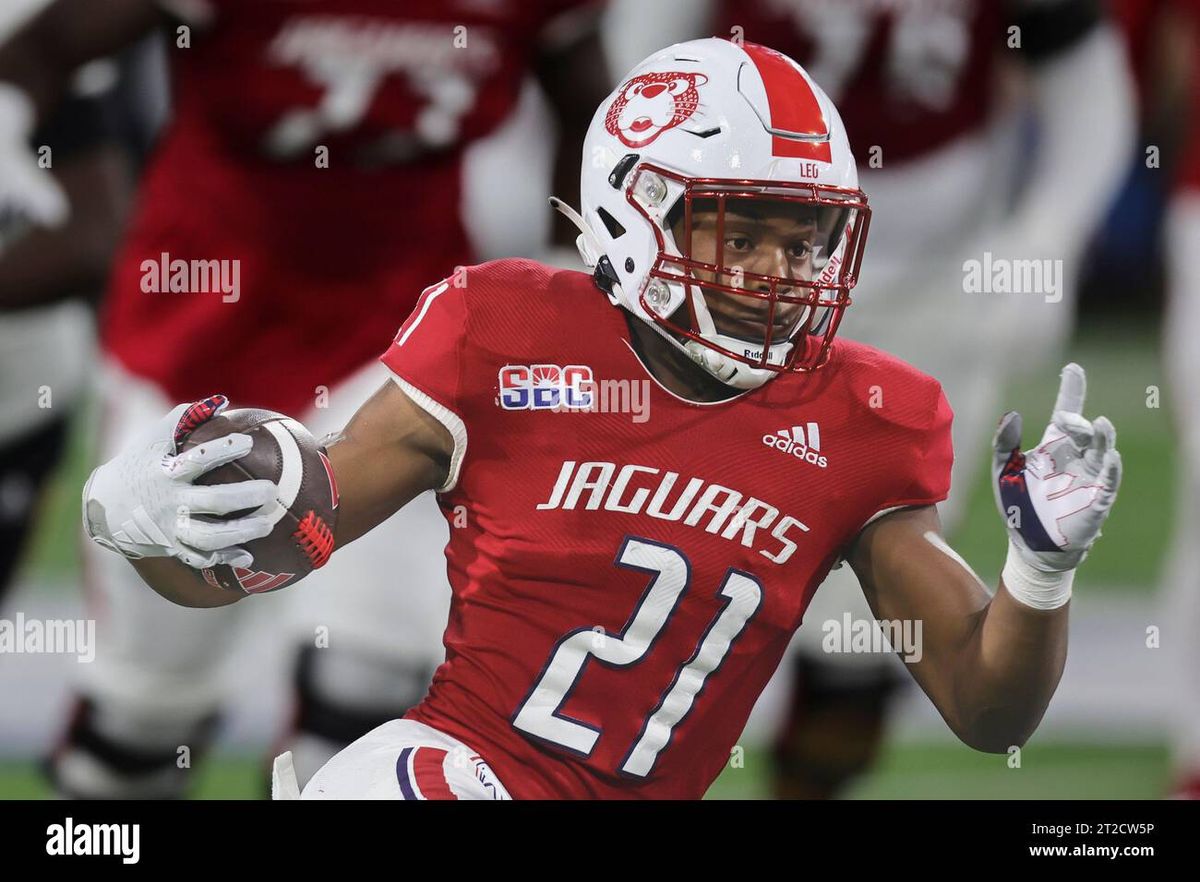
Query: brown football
[306, 509]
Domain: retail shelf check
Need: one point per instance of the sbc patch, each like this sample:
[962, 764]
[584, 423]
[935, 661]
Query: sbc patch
[546, 387]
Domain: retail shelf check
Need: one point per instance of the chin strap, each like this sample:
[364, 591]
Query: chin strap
[592, 252]
[589, 246]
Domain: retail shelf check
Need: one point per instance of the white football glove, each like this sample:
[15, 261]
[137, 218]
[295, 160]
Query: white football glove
[29, 195]
[1055, 497]
[142, 502]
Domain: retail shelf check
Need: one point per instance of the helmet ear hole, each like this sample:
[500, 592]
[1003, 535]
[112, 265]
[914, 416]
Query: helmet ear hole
[611, 223]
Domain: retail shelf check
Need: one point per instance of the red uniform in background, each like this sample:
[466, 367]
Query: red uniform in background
[624, 589]
[1139, 20]
[315, 158]
[395, 91]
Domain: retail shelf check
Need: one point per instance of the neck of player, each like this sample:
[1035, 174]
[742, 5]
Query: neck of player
[674, 371]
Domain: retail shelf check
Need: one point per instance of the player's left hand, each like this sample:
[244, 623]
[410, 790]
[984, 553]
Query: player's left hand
[1055, 497]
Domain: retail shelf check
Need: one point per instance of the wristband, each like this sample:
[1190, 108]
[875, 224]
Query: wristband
[1033, 587]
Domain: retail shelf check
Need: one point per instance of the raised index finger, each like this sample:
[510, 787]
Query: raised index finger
[1072, 390]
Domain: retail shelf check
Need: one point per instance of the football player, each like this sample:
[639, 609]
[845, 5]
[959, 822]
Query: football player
[316, 157]
[624, 588]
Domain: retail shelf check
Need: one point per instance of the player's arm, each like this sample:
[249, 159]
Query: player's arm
[40, 266]
[40, 58]
[991, 664]
[407, 438]
[36, 64]
[1084, 99]
[389, 453]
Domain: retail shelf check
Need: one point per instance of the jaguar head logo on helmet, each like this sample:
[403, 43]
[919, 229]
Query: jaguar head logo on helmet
[721, 206]
[648, 105]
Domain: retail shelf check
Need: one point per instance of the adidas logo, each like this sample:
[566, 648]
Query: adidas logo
[802, 442]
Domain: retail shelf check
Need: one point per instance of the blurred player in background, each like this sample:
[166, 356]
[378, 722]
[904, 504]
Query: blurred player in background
[315, 160]
[1183, 370]
[50, 277]
[926, 91]
[1164, 44]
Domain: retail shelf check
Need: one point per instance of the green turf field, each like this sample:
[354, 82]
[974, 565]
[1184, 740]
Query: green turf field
[1061, 770]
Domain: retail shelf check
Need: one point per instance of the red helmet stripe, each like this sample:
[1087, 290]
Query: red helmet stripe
[793, 105]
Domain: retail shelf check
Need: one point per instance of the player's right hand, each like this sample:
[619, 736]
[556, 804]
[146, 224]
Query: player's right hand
[29, 195]
[142, 502]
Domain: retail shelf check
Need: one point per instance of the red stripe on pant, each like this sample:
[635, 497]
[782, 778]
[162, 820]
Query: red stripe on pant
[429, 773]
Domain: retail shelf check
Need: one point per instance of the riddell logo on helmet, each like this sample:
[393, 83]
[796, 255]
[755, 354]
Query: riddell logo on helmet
[800, 442]
[649, 104]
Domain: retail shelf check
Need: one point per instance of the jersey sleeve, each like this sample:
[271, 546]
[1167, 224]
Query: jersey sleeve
[426, 361]
[923, 457]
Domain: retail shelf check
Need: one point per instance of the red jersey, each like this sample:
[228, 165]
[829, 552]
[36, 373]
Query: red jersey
[628, 567]
[393, 92]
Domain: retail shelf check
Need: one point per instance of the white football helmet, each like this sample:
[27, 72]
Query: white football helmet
[696, 132]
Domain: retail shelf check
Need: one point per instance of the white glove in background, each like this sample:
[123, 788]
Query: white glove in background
[29, 195]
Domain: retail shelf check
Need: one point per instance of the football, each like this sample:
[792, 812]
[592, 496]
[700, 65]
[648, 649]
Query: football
[305, 511]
